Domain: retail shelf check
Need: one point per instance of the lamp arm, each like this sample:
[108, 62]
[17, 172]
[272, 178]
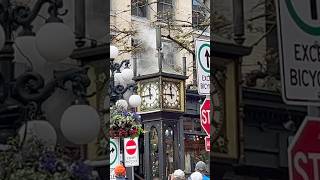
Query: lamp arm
[30, 86]
[120, 90]
[25, 15]
[117, 66]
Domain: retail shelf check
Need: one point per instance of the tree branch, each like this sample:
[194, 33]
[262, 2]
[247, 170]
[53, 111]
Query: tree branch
[263, 36]
[179, 43]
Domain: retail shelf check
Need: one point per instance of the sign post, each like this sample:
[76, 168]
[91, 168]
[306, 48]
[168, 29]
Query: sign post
[131, 152]
[203, 66]
[299, 36]
[304, 151]
[205, 121]
[114, 156]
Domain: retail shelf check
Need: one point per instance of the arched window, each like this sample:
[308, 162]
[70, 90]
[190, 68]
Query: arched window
[169, 150]
[154, 152]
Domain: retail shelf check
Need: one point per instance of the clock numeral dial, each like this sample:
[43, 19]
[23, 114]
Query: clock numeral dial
[171, 95]
[150, 95]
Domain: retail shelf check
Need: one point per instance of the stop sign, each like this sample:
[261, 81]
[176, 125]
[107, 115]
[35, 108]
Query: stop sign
[131, 147]
[304, 151]
[205, 116]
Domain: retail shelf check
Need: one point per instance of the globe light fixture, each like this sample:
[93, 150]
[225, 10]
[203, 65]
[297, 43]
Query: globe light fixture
[122, 103]
[114, 52]
[80, 124]
[39, 129]
[118, 79]
[55, 41]
[127, 74]
[135, 101]
[122, 84]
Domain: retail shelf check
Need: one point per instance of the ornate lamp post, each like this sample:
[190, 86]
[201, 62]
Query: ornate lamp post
[21, 98]
[121, 82]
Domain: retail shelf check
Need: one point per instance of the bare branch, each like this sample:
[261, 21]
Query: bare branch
[263, 36]
[180, 44]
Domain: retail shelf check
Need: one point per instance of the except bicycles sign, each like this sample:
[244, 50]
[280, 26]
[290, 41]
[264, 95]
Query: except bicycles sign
[299, 36]
[203, 66]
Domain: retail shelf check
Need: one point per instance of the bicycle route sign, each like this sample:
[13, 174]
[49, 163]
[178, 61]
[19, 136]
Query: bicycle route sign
[299, 51]
[203, 66]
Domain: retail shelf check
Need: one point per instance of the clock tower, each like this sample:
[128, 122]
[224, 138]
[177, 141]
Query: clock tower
[163, 97]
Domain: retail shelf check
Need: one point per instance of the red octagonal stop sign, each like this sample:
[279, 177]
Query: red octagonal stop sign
[205, 116]
[304, 151]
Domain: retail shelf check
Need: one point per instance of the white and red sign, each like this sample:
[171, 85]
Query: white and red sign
[131, 153]
[205, 121]
[304, 151]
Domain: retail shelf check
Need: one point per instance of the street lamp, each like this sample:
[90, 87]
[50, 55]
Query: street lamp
[121, 82]
[21, 98]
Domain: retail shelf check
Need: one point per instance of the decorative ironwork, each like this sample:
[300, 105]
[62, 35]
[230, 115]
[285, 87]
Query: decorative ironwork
[12, 17]
[16, 95]
[117, 91]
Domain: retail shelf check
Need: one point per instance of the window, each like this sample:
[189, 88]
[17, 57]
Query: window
[198, 13]
[139, 8]
[168, 50]
[165, 9]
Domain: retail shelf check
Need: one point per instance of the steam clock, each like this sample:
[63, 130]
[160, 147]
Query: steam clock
[163, 104]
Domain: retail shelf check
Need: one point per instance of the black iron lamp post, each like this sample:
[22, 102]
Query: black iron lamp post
[21, 98]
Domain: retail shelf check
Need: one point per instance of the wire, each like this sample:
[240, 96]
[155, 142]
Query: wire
[25, 56]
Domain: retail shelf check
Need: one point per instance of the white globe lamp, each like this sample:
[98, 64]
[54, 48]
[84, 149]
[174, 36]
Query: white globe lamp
[80, 124]
[114, 52]
[55, 41]
[118, 79]
[135, 101]
[39, 129]
[122, 103]
[127, 74]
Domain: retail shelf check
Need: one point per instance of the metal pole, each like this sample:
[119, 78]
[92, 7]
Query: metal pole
[184, 63]
[80, 18]
[135, 67]
[238, 21]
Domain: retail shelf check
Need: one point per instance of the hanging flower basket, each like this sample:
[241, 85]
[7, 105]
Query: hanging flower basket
[124, 124]
[36, 161]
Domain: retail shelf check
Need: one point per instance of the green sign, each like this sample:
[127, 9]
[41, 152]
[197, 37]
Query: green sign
[205, 67]
[312, 30]
[114, 152]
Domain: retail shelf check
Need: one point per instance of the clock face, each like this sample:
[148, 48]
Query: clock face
[150, 95]
[171, 95]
